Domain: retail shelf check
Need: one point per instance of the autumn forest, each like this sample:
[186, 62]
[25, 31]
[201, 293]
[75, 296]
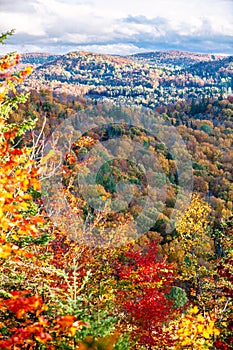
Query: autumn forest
[116, 190]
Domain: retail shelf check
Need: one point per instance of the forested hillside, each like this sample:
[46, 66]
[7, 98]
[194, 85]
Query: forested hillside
[150, 80]
[205, 126]
[116, 220]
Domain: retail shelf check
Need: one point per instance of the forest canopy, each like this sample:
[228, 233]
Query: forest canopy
[73, 273]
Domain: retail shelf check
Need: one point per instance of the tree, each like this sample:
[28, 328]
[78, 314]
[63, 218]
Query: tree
[143, 289]
[194, 331]
[196, 244]
[42, 302]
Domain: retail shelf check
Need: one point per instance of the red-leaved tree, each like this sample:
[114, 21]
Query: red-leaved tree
[144, 284]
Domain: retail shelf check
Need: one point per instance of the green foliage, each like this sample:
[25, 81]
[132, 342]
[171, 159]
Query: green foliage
[206, 128]
[179, 297]
[12, 104]
[5, 36]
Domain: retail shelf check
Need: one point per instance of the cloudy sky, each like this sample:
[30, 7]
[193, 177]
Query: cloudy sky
[118, 26]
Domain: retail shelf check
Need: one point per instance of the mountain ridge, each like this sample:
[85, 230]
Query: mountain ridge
[167, 53]
[159, 78]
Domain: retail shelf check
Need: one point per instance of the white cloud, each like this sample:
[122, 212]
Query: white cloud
[22, 22]
[116, 49]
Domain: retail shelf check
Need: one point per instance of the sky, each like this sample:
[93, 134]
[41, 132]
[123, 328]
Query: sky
[118, 26]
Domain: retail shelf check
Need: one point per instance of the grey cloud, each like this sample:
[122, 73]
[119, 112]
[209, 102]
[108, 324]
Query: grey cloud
[77, 2]
[203, 44]
[159, 25]
[217, 44]
[26, 39]
[204, 39]
[17, 6]
[145, 20]
[78, 26]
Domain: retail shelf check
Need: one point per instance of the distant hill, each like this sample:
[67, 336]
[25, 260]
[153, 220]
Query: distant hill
[37, 58]
[220, 66]
[149, 79]
[176, 58]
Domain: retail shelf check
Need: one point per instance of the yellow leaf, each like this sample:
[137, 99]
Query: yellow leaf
[5, 251]
[15, 237]
[206, 334]
[194, 310]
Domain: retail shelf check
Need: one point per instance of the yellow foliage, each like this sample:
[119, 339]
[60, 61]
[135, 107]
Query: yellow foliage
[194, 239]
[192, 227]
[105, 343]
[194, 331]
